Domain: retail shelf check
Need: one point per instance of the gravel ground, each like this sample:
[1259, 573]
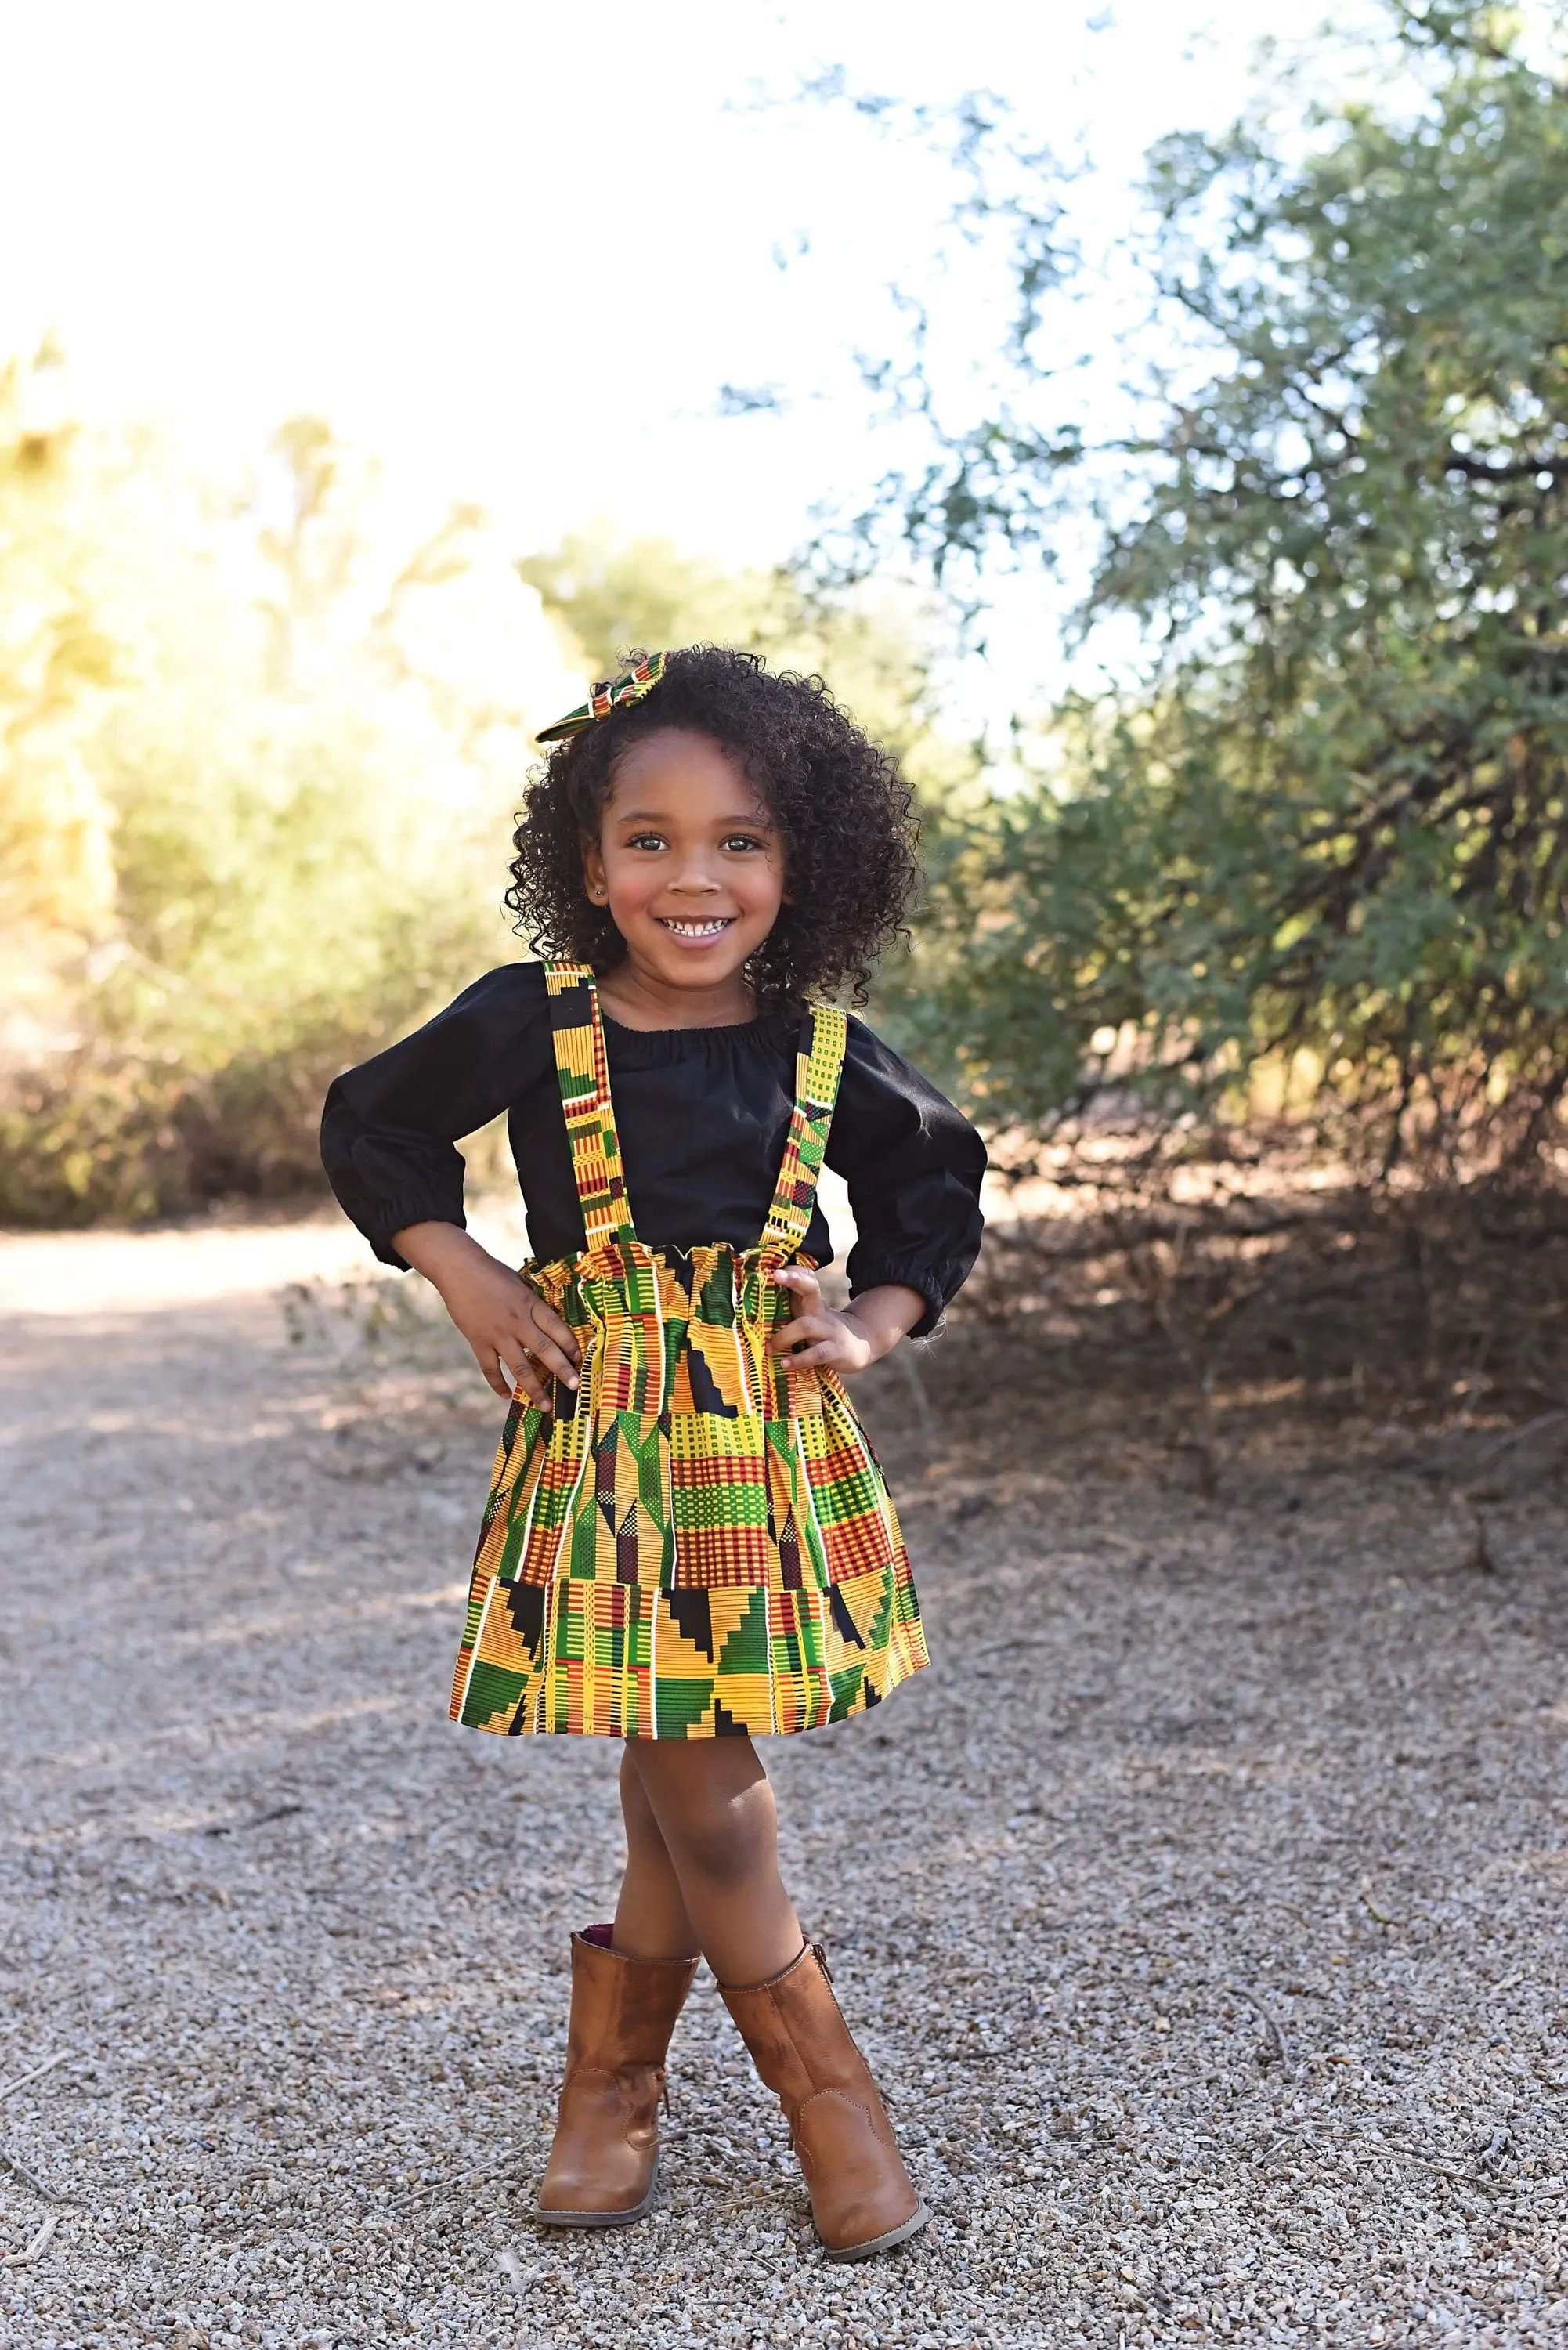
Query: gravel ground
[1202, 1910]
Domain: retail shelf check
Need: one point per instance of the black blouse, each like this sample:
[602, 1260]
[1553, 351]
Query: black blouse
[701, 1113]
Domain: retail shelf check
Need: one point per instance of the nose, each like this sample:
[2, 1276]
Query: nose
[694, 878]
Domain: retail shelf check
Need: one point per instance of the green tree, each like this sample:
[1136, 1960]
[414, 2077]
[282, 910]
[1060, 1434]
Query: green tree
[1325, 830]
[607, 594]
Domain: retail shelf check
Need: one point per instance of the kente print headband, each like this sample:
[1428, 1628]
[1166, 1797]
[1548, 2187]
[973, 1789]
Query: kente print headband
[610, 693]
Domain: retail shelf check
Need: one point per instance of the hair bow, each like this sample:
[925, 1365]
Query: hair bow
[610, 693]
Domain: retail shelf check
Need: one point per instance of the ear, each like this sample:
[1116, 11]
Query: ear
[594, 878]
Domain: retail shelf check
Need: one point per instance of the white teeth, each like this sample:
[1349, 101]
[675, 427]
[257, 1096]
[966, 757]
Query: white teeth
[698, 929]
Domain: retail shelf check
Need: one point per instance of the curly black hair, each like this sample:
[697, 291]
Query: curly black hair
[849, 828]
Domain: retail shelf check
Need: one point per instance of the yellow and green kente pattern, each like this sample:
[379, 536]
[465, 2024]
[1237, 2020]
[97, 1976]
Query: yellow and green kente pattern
[697, 1541]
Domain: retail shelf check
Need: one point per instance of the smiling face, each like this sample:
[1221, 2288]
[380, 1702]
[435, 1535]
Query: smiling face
[691, 863]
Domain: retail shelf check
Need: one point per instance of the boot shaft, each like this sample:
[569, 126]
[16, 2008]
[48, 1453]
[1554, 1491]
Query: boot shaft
[796, 2030]
[623, 2009]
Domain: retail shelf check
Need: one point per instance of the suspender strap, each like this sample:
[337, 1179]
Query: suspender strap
[819, 1070]
[584, 1073]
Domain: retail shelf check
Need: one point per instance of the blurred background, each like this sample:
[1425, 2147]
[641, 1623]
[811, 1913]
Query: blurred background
[1158, 437]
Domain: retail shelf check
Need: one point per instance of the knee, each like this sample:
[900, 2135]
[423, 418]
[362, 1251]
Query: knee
[724, 1843]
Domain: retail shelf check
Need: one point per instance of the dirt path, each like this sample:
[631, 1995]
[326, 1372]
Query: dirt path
[1181, 1766]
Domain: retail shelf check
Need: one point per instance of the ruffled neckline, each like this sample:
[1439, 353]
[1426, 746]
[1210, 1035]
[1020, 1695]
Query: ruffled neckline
[770, 1030]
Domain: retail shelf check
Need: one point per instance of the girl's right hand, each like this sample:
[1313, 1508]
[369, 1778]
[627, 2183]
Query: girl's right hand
[518, 1341]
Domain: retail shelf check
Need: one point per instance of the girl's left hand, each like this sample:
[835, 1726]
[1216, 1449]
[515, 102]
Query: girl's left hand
[816, 1338]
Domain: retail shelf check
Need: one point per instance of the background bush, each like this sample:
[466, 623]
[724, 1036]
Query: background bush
[258, 752]
[260, 748]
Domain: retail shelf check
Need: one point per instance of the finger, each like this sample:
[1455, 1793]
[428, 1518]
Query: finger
[800, 1331]
[812, 1358]
[527, 1382]
[548, 1354]
[549, 1325]
[804, 1288]
[495, 1372]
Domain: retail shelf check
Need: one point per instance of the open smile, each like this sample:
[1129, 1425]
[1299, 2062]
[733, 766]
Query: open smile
[697, 933]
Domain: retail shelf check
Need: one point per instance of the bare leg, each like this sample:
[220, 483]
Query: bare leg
[712, 1806]
[650, 1919]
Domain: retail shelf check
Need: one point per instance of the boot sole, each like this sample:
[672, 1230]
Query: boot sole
[598, 2219]
[875, 2244]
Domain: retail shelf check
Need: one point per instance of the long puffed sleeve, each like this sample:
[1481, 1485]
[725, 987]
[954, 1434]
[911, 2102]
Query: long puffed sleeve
[913, 1165]
[390, 1129]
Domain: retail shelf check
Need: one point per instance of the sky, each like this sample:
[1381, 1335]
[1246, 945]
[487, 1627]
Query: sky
[518, 248]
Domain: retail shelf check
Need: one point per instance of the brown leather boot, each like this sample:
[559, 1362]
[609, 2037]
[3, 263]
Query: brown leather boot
[861, 2197]
[603, 2163]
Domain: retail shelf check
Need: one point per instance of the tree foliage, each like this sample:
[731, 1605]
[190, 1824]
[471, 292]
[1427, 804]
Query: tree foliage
[259, 745]
[607, 594]
[1325, 829]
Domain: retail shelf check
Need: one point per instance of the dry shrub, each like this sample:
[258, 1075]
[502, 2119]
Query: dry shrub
[1207, 1327]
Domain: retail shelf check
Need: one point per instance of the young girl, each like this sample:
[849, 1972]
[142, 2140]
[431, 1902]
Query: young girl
[688, 1542]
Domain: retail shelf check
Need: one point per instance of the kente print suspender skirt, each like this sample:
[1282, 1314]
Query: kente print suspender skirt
[698, 1542]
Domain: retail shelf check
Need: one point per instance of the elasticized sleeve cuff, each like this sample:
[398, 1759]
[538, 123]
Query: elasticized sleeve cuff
[936, 1284]
[397, 1218]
